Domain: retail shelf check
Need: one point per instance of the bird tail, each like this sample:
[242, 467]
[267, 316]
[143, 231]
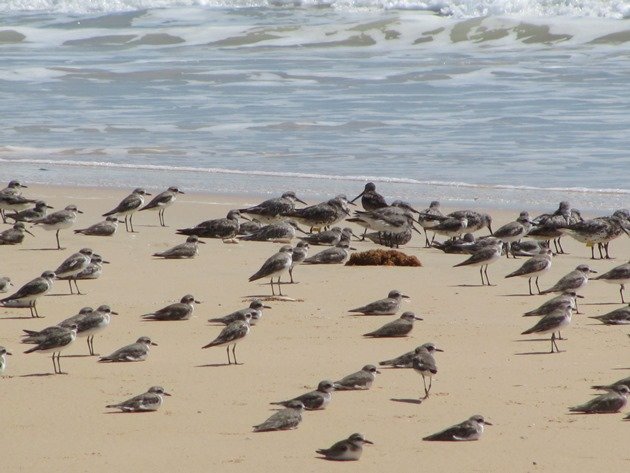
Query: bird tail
[600, 386]
[186, 231]
[31, 350]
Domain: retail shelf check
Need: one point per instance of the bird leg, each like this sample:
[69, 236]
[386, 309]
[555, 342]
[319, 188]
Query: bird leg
[529, 281]
[483, 283]
[234, 353]
[273, 293]
[58, 244]
[537, 286]
[553, 343]
[227, 349]
[485, 271]
[621, 292]
[279, 286]
[75, 285]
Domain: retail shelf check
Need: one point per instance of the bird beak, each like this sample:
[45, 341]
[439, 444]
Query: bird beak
[405, 296]
[367, 441]
[197, 302]
[351, 248]
[266, 307]
[415, 229]
[360, 195]
[485, 422]
[377, 372]
[165, 393]
[179, 192]
[300, 230]
[49, 207]
[146, 193]
[115, 313]
[8, 353]
[579, 296]
[120, 221]
[28, 232]
[154, 344]
[352, 203]
[245, 218]
[418, 318]
[301, 201]
[592, 271]
[491, 233]
[79, 211]
[439, 349]
[104, 262]
[202, 242]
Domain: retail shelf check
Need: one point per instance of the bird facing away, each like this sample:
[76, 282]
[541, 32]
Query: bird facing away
[275, 266]
[613, 401]
[145, 402]
[608, 387]
[189, 249]
[90, 322]
[470, 429]
[28, 294]
[105, 228]
[128, 206]
[55, 342]
[361, 380]
[424, 364]
[286, 419]
[3, 359]
[5, 283]
[398, 328]
[232, 334]
[137, 351]
[483, 258]
[619, 316]
[553, 322]
[388, 306]
[533, 268]
[160, 202]
[349, 449]
[406, 359]
[61, 220]
[313, 400]
[255, 309]
[181, 310]
[618, 275]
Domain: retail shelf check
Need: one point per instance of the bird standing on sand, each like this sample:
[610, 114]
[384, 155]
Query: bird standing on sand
[188, 249]
[424, 364]
[484, 257]
[335, 255]
[619, 316]
[28, 294]
[232, 334]
[398, 328]
[388, 306]
[39, 211]
[181, 310]
[3, 359]
[618, 275]
[574, 281]
[300, 252]
[349, 449]
[406, 359]
[90, 323]
[275, 266]
[470, 429]
[56, 342]
[533, 268]
[552, 323]
[161, 201]
[61, 220]
[613, 401]
[128, 206]
[255, 309]
[370, 199]
[313, 400]
[286, 419]
[273, 210]
[146, 402]
[553, 304]
[73, 265]
[514, 231]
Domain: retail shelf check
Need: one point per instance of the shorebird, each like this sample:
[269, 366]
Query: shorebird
[189, 249]
[5, 283]
[145, 402]
[13, 188]
[94, 269]
[554, 303]
[91, 323]
[466, 244]
[451, 227]
[181, 310]
[393, 220]
[547, 226]
[280, 232]
[328, 237]
[370, 199]
[313, 400]
[61, 220]
[608, 387]
[56, 342]
[574, 281]
[322, 215]
[533, 268]
[398, 328]
[35, 337]
[300, 252]
[553, 322]
[484, 257]
[105, 228]
[14, 235]
[14, 203]
[255, 310]
[272, 210]
[470, 429]
[128, 206]
[424, 364]
[388, 306]
[514, 231]
[39, 211]
[3, 359]
[406, 359]
[349, 449]
[225, 228]
[361, 380]
[232, 334]
[528, 247]
[429, 218]
[599, 231]
[248, 227]
[137, 351]
[391, 240]
[28, 294]
[618, 275]
[161, 201]
[619, 316]
[613, 401]
[335, 255]
[73, 265]
[286, 419]
[275, 266]
[475, 221]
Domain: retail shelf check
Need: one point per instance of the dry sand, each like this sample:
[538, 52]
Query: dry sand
[55, 423]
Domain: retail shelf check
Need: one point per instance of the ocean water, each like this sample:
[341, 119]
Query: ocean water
[493, 103]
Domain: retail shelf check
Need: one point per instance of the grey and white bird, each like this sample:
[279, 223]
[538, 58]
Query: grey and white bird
[105, 228]
[618, 275]
[5, 283]
[534, 268]
[388, 306]
[13, 188]
[35, 337]
[406, 359]
[599, 231]
[613, 401]
[451, 227]
[14, 235]
[60, 220]
[313, 400]
[90, 323]
[619, 316]
[475, 221]
[160, 202]
[278, 232]
[28, 294]
[94, 269]
[138, 351]
[145, 402]
[55, 342]
[528, 248]
[39, 211]
[514, 231]
[429, 218]
[14, 203]
[349, 449]
[275, 266]
[73, 265]
[553, 322]
[398, 328]
[484, 257]
[370, 199]
[338, 254]
[188, 249]
[553, 304]
[232, 334]
[286, 419]
[248, 227]
[322, 215]
[424, 364]
[608, 387]
[470, 429]
[360, 380]
[255, 309]
[273, 210]
[326, 238]
[128, 206]
[300, 252]
[574, 281]
[3, 359]
[225, 228]
[181, 310]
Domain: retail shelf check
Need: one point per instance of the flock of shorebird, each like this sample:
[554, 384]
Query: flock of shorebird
[279, 220]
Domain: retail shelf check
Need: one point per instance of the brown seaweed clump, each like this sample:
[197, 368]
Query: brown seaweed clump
[382, 258]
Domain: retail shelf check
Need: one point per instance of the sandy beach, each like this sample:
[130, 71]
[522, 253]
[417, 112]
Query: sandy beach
[59, 422]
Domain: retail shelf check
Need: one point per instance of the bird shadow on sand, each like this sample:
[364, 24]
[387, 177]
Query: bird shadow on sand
[406, 400]
[270, 298]
[19, 317]
[80, 356]
[38, 375]
[473, 285]
[42, 249]
[126, 412]
[518, 295]
[602, 303]
[216, 365]
[538, 353]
